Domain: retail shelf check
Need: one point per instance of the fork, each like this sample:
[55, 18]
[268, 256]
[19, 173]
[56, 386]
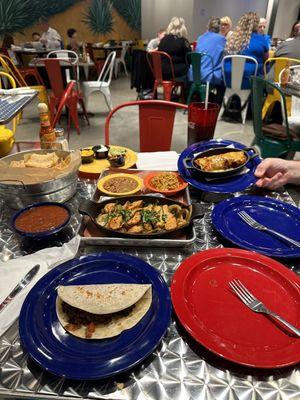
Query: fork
[256, 225]
[256, 305]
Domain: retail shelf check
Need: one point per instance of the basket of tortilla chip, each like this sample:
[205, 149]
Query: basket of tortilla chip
[102, 311]
[35, 176]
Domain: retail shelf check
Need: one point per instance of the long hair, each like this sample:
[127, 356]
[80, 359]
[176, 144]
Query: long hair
[240, 38]
[177, 27]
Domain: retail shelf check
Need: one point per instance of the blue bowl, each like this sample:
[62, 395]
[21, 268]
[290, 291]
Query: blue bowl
[41, 234]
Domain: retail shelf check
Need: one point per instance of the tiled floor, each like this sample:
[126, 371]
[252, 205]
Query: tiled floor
[124, 126]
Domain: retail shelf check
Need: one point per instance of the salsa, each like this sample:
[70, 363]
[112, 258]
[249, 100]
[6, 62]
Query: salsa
[41, 218]
[120, 185]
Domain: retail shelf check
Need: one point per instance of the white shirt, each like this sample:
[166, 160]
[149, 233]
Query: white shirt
[53, 39]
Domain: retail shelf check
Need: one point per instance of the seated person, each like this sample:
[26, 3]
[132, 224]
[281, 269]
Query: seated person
[294, 29]
[73, 45]
[245, 40]
[35, 37]
[226, 26]
[212, 43]
[153, 44]
[262, 30]
[50, 37]
[291, 47]
[276, 172]
[175, 43]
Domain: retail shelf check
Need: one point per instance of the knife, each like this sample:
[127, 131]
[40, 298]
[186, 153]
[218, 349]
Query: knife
[21, 285]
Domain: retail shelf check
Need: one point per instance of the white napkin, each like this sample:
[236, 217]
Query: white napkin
[17, 91]
[158, 161]
[12, 271]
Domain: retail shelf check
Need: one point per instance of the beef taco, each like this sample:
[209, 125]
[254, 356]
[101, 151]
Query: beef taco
[102, 311]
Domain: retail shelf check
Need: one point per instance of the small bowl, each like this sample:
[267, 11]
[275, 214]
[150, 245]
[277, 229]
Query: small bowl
[45, 233]
[87, 156]
[101, 152]
[117, 161]
[102, 181]
[171, 192]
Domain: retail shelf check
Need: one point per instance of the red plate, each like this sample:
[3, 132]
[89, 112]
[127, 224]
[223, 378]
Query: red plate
[218, 320]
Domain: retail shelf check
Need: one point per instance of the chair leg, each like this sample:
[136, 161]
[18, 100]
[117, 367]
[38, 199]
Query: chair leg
[74, 114]
[107, 98]
[81, 101]
[125, 69]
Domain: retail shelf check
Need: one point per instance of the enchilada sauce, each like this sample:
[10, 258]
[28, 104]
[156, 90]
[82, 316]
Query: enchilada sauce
[41, 219]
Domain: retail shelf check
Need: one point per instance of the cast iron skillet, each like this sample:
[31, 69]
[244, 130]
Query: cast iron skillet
[189, 163]
[92, 209]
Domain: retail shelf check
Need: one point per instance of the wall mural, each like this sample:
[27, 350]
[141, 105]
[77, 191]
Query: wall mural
[16, 15]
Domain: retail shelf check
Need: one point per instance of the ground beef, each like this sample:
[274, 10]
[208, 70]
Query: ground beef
[79, 317]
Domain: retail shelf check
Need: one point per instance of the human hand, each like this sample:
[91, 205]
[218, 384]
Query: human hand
[44, 41]
[272, 173]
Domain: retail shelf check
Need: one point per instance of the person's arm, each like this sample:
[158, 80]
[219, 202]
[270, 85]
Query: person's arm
[273, 173]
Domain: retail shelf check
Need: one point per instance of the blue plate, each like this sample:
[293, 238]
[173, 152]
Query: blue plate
[230, 184]
[274, 214]
[61, 353]
[42, 234]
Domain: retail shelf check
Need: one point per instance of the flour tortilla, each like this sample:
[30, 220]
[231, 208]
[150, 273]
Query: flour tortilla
[102, 299]
[118, 323]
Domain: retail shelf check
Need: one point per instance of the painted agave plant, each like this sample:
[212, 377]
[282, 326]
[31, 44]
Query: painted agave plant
[99, 17]
[16, 15]
[130, 10]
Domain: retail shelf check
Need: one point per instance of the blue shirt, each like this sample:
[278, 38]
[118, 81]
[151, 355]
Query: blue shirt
[257, 48]
[213, 44]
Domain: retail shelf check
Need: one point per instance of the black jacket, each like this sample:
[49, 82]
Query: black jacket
[177, 48]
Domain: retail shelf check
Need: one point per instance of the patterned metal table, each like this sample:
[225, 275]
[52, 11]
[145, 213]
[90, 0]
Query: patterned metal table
[10, 105]
[178, 369]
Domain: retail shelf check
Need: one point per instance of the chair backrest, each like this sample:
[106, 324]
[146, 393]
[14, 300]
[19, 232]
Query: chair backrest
[295, 101]
[10, 68]
[237, 70]
[156, 121]
[125, 47]
[259, 87]
[54, 73]
[108, 67]
[195, 59]
[155, 61]
[13, 85]
[62, 103]
[64, 54]
[278, 64]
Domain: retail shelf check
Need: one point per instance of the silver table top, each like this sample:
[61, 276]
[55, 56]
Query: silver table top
[178, 369]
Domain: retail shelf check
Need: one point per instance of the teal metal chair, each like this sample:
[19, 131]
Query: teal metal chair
[273, 140]
[195, 59]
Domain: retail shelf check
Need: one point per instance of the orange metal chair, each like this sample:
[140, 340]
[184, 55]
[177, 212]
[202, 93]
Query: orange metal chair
[54, 72]
[279, 63]
[155, 61]
[156, 122]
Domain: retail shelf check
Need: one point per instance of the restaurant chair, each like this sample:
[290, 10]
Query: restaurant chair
[155, 61]
[7, 136]
[273, 66]
[156, 122]
[120, 61]
[55, 76]
[273, 140]
[97, 60]
[236, 70]
[195, 59]
[102, 84]
[10, 68]
[294, 115]
[67, 55]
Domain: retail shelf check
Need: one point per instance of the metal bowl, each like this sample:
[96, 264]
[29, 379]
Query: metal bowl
[17, 195]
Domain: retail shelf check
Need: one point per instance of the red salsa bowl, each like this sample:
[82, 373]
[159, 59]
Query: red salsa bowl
[41, 219]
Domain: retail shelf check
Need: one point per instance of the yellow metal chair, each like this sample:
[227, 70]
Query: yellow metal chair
[279, 63]
[7, 135]
[10, 68]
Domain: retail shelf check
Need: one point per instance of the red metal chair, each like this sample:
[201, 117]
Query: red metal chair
[155, 61]
[54, 72]
[156, 121]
